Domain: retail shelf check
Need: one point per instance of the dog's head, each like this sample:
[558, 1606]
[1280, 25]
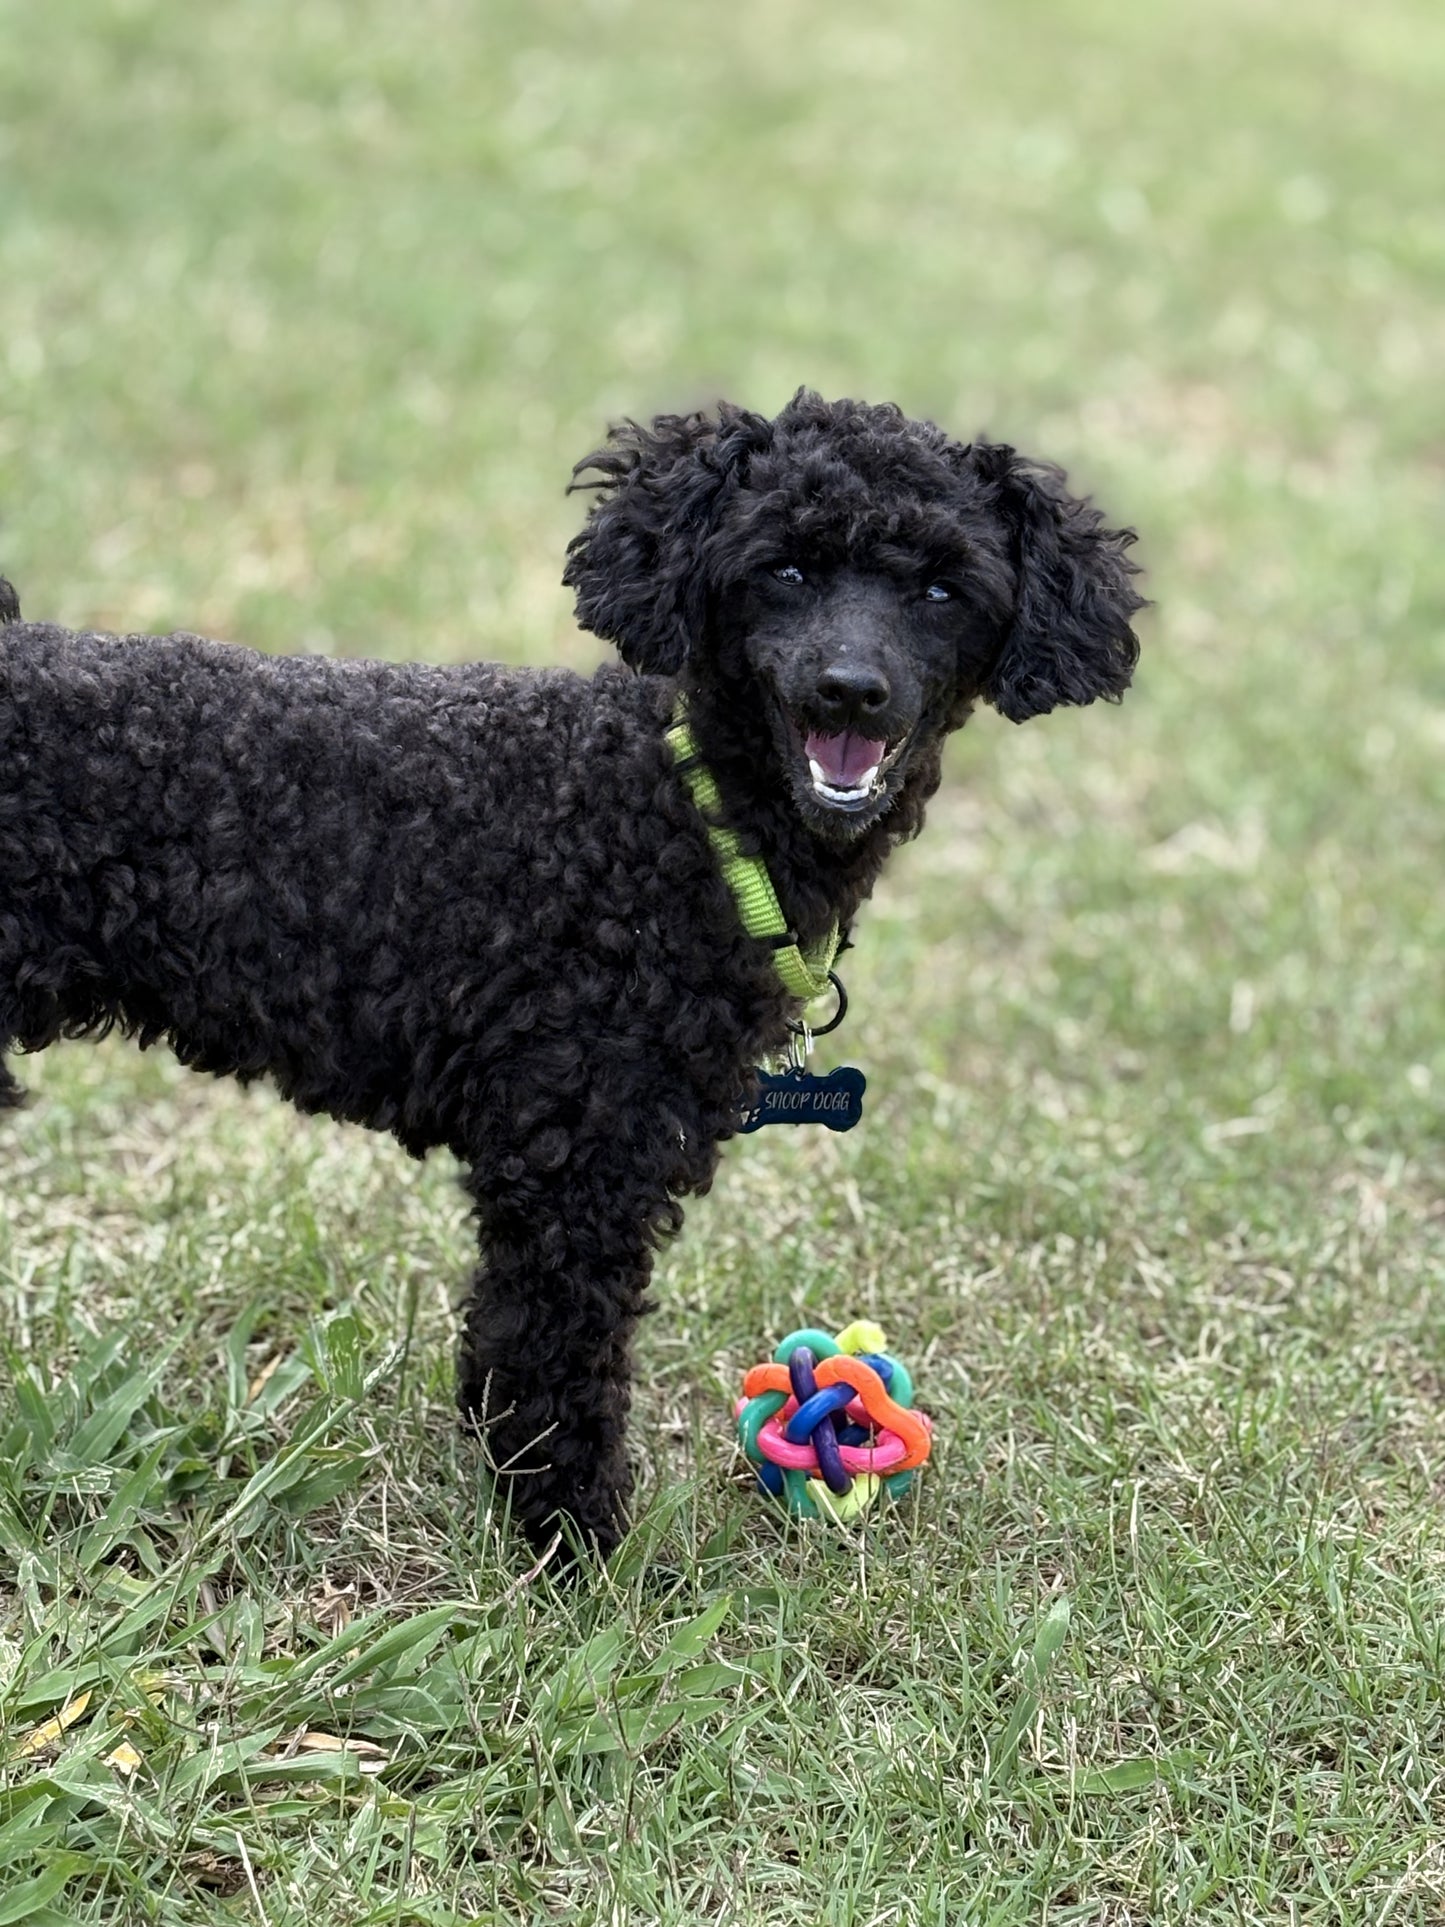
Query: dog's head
[866, 577]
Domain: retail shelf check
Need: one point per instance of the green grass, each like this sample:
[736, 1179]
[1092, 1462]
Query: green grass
[305, 311]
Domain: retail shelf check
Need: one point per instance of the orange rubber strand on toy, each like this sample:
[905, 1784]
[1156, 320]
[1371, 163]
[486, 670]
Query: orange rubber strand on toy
[767, 1378]
[885, 1413]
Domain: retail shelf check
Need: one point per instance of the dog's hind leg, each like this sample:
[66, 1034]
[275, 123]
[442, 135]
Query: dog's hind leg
[545, 1357]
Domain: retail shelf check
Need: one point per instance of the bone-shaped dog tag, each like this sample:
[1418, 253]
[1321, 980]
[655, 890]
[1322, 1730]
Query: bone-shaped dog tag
[797, 1097]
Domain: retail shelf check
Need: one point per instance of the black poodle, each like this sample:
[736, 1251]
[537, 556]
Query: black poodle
[484, 907]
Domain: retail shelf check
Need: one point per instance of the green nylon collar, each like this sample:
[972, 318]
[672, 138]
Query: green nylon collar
[803, 973]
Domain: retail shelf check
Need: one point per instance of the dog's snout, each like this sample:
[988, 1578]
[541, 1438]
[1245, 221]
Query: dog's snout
[853, 691]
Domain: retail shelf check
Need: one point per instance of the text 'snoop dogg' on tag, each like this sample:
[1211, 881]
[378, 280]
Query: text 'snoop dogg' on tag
[797, 1097]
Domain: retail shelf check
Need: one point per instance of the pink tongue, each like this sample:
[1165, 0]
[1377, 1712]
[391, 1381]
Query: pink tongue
[844, 760]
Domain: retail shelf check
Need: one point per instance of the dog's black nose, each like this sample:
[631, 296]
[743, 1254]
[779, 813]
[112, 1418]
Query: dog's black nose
[852, 691]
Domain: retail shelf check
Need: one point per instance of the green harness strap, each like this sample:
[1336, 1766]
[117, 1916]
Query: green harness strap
[803, 973]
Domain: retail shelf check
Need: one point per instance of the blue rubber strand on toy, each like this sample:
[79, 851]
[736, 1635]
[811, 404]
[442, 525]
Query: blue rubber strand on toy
[836, 1476]
[814, 1412]
[800, 1373]
[770, 1478]
[813, 1424]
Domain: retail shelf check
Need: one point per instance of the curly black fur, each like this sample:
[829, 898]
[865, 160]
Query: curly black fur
[477, 907]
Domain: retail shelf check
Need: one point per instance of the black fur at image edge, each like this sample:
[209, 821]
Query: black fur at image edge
[477, 906]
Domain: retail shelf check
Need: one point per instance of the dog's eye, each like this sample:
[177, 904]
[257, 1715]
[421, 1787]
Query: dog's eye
[935, 592]
[788, 572]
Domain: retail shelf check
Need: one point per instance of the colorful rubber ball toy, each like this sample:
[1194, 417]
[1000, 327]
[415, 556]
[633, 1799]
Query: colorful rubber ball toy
[829, 1424]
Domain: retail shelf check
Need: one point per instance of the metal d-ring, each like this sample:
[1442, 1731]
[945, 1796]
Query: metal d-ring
[822, 1030]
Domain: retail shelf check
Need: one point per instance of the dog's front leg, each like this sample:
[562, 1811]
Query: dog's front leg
[545, 1361]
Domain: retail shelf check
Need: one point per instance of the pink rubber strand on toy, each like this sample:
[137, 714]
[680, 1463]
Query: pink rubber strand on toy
[856, 1458]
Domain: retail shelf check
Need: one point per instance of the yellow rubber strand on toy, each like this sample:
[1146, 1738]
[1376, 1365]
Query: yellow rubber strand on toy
[844, 1507]
[861, 1336]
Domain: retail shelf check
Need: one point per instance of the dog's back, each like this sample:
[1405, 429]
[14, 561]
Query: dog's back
[288, 866]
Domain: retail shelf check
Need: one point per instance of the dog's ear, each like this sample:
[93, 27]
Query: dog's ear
[9, 602]
[1070, 639]
[638, 565]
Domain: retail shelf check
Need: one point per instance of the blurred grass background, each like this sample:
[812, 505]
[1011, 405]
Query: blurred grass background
[305, 312]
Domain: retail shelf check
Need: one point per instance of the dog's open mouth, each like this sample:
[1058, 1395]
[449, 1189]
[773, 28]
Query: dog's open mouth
[847, 769]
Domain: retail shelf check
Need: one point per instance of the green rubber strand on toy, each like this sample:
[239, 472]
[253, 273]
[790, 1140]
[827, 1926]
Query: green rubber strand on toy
[753, 1417]
[895, 1484]
[818, 1343]
[795, 1490]
[900, 1386]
